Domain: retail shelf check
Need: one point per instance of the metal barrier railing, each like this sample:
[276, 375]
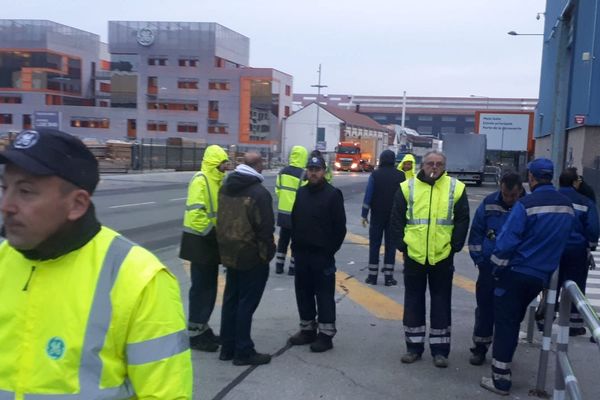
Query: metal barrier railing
[565, 381]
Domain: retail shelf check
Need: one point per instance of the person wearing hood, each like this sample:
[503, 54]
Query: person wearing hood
[408, 166]
[245, 236]
[287, 184]
[199, 246]
[318, 231]
[430, 221]
[379, 197]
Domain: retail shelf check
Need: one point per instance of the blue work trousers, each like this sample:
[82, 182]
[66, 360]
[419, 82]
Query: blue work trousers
[512, 295]
[243, 291]
[484, 312]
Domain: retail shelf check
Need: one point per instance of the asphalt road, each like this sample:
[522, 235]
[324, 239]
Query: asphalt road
[365, 362]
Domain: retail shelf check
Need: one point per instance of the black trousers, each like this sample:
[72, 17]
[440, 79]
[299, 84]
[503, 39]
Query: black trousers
[416, 278]
[484, 312]
[315, 291]
[377, 231]
[574, 265]
[285, 234]
[243, 291]
[203, 292]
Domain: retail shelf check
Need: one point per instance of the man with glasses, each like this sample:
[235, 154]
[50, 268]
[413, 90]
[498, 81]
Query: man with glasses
[430, 220]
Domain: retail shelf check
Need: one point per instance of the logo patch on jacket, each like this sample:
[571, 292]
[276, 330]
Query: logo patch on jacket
[55, 348]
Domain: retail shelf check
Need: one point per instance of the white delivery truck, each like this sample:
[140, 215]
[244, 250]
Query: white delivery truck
[465, 156]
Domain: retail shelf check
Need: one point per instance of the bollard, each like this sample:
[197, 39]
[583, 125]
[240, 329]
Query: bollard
[531, 322]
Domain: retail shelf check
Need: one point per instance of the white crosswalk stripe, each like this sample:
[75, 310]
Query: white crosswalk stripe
[593, 282]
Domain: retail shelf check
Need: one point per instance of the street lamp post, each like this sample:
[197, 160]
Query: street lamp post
[319, 87]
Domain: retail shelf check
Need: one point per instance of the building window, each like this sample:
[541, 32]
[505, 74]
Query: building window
[380, 118]
[448, 118]
[10, 100]
[425, 130]
[399, 118]
[187, 83]
[6, 119]
[158, 61]
[85, 122]
[160, 105]
[288, 90]
[425, 118]
[105, 87]
[152, 85]
[218, 128]
[213, 110]
[188, 62]
[469, 119]
[448, 129]
[218, 85]
[287, 111]
[157, 126]
[189, 127]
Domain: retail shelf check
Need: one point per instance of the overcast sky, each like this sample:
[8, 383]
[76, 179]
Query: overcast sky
[372, 47]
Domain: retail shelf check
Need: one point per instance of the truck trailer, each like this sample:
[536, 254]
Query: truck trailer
[465, 156]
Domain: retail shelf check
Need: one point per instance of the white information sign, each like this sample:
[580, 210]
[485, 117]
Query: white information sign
[505, 132]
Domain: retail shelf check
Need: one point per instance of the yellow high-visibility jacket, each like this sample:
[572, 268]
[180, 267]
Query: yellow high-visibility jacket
[430, 217]
[203, 193]
[412, 172]
[102, 322]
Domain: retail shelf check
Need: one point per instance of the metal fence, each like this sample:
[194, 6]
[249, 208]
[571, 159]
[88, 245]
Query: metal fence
[148, 155]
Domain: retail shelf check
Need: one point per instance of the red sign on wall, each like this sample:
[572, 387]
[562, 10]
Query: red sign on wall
[580, 119]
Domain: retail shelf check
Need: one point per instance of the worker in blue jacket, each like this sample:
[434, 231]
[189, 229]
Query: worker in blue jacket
[490, 217]
[527, 253]
[584, 236]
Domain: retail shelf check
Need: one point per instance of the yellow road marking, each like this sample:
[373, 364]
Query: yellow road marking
[371, 300]
[461, 281]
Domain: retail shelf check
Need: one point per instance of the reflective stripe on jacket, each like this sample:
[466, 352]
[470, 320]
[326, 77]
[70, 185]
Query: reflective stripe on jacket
[101, 322]
[430, 218]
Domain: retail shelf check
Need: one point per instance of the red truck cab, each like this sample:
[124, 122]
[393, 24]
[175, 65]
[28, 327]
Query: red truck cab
[348, 157]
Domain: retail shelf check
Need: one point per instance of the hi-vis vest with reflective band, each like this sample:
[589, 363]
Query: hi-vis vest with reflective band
[201, 205]
[430, 217]
[101, 322]
[286, 187]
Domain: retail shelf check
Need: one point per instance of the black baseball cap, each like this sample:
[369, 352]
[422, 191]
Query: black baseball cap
[316, 161]
[47, 152]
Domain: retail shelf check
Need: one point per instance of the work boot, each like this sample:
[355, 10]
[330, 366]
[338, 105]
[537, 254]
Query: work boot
[410, 357]
[204, 342]
[440, 361]
[577, 331]
[477, 358]
[253, 359]
[323, 343]
[303, 337]
[291, 271]
[488, 384]
[390, 281]
[371, 279]
[211, 336]
[279, 268]
[226, 355]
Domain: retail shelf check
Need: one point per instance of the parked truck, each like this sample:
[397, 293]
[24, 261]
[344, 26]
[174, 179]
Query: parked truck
[465, 156]
[359, 155]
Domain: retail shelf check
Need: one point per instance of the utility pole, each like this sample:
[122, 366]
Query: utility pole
[318, 86]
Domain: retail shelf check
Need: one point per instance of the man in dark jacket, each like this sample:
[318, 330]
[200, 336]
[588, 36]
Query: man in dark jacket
[246, 244]
[318, 231]
[430, 220]
[379, 197]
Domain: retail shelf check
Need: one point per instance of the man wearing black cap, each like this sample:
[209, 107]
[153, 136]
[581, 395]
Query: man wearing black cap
[527, 252]
[85, 312]
[318, 231]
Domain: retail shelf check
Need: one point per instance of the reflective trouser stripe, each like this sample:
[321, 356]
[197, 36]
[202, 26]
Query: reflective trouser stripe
[417, 329]
[500, 364]
[292, 262]
[439, 340]
[373, 269]
[327, 329]
[443, 331]
[308, 325]
[414, 334]
[280, 257]
[388, 269]
[415, 339]
[157, 348]
[482, 340]
[501, 377]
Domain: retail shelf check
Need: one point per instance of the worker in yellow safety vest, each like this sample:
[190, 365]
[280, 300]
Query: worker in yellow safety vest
[430, 221]
[85, 314]
[408, 166]
[288, 181]
[199, 246]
